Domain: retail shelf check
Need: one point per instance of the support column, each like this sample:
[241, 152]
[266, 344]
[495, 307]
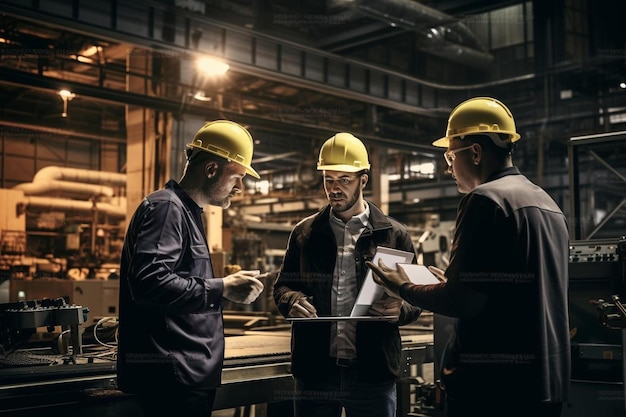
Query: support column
[140, 133]
[378, 179]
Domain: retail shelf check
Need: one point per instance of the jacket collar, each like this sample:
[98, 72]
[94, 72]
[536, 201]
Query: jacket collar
[184, 197]
[503, 173]
[377, 218]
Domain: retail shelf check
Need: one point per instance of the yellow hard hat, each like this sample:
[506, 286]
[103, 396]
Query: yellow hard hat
[478, 116]
[228, 140]
[343, 152]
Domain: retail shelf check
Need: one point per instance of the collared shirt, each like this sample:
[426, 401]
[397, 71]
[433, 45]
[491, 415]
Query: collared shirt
[345, 288]
[308, 268]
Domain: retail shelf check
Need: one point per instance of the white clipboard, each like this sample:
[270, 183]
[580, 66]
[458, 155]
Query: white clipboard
[419, 274]
[370, 291]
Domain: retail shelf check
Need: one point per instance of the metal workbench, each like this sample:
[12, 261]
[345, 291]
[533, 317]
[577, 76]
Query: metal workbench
[256, 371]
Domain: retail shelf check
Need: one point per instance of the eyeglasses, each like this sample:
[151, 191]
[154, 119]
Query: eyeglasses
[450, 155]
[344, 181]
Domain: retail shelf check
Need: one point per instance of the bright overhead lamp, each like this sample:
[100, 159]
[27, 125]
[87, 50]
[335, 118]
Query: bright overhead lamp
[66, 95]
[90, 50]
[201, 96]
[211, 66]
[85, 55]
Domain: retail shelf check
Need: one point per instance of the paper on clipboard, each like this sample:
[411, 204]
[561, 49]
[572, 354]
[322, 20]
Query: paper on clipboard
[419, 274]
[370, 291]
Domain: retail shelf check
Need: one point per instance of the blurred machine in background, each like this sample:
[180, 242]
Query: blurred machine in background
[67, 224]
[597, 273]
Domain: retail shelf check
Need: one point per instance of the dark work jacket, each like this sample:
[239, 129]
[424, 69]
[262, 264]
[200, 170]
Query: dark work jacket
[308, 269]
[171, 331]
[507, 287]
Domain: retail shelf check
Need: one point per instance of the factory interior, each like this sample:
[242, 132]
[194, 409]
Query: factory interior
[99, 99]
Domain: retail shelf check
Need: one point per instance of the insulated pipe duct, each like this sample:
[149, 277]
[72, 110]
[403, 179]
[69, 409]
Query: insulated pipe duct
[71, 188]
[458, 53]
[50, 204]
[81, 183]
[80, 175]
[417, 17]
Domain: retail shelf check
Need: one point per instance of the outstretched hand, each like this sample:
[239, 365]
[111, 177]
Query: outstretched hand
[243, 286]
[388, 278]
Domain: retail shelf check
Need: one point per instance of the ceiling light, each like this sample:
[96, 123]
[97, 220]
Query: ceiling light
[200, 96]
[91, 50]
[211, 66]
[66, 95]
[81, 58]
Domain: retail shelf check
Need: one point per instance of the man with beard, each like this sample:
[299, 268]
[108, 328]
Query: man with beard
[171, 335]
[342, 364]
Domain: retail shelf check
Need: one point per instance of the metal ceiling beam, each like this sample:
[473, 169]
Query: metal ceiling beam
[155, 26]
[23, 127]
[361, 33]
[43, 83]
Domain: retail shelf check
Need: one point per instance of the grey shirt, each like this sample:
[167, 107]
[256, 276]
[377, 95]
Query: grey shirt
[345, 288]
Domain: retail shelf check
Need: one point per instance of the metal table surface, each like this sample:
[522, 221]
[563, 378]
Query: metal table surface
[256, 371]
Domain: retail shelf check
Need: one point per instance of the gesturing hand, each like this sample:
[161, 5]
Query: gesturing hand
[390, 279]
[243, 287]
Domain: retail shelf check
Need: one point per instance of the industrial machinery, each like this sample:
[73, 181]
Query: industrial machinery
[613, 315]
[65, 218]
[19, 321]
[597, 273]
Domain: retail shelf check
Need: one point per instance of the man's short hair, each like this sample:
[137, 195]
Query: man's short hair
[486, 142]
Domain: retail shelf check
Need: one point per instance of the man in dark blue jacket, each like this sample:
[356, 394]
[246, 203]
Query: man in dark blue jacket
[342, 364]
[507, 281]
[171, 336]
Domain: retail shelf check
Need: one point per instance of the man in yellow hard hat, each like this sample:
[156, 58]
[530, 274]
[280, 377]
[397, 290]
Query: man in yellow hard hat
[171, 336]
[506, 284]
[350, 365]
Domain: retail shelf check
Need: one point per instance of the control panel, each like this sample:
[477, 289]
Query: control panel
[593, 252]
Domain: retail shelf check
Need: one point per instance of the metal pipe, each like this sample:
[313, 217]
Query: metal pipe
[71, 188]
[50, 204]
[80, 175]
[73, 182]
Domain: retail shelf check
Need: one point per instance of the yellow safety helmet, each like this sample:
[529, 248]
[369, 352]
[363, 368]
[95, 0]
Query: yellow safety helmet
[480, 116]
[228, 140]
[343, 152]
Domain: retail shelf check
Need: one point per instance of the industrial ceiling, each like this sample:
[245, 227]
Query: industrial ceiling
[389, 71]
